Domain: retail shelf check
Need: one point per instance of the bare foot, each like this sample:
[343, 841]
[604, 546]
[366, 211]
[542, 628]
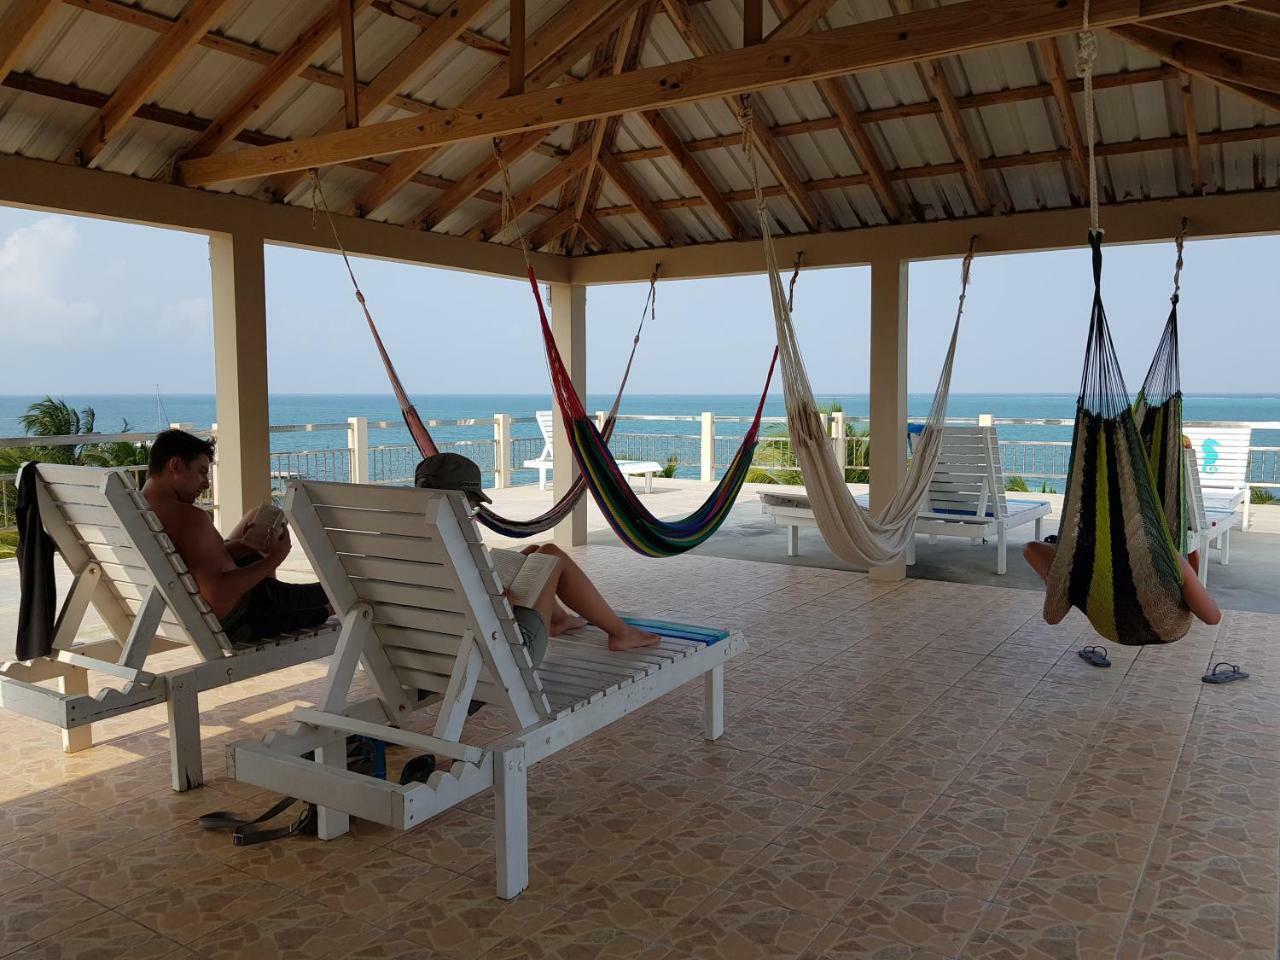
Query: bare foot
[632, 638]
[561, 625]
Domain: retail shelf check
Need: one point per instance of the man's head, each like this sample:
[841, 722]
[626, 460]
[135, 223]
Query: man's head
[451, 471]
[181, 461]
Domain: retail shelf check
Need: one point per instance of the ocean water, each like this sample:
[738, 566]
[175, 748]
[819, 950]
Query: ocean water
[146, 412]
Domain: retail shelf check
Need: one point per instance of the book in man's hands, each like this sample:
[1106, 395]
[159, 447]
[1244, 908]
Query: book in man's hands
[524, 575]
[266, 526]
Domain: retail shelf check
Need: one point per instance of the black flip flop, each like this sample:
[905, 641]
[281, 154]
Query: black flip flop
[1097, 656]
[1218, 675]
[1051, 538]
[418, 770]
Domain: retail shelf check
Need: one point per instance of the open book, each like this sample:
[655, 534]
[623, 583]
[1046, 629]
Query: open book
[268, 521]
[524, 575]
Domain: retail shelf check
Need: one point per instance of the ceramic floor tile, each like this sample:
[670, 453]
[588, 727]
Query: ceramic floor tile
[641, 900]
[889, 912]
[743, 930]
[464, 919]
[203, 904]
[377, 886]
[798, 880]
[945, 859]
[107, 935]
[41, 910]
[1005, 934]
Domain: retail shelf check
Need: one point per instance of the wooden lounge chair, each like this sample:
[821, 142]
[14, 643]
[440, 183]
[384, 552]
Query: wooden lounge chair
[966, 498]
[544, 463]
[423, 610]
[128, 570]
[1206, 523]
[1222, 455]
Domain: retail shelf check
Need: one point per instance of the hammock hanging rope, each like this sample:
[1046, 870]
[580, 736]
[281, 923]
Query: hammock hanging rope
[1158, 411]
[1116, 560]
[422, 439]
[853, 533]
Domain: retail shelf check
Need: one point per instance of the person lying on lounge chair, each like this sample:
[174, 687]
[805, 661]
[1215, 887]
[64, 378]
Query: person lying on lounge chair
[1039, 556]
[237, 581]
[568, 585]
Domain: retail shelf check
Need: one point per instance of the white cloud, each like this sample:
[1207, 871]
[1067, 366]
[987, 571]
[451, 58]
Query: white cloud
[35, 264]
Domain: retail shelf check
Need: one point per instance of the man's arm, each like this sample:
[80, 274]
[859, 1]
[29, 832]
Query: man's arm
[222, 587]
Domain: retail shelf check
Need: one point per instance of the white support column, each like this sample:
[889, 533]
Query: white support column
[358, 447]
[240, 373]
[888, 390]
[707, 455]
[837, 438]
[569, 326]
[501, 450]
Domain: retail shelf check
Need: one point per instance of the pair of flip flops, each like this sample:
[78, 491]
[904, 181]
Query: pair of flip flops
[1224, 673]
[1097, 656]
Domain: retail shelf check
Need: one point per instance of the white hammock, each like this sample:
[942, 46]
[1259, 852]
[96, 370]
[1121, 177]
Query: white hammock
[854, 534]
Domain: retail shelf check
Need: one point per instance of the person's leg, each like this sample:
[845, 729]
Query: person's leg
[1196, 596]
[277, 607]
[576, 590]
[561, 620]
[1039, 556]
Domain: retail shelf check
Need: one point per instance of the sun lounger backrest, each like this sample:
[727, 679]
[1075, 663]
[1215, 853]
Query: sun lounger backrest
[98, 515]
[969, 478]
[416, 558]
[1196, 519]
[545, 424]
[1222, 454]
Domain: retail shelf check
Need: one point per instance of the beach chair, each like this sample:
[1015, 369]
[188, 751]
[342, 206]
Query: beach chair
[966, 498]
[423, 611]
[128, 570]
[1206, 524]
[1222, 455]
[544, 463]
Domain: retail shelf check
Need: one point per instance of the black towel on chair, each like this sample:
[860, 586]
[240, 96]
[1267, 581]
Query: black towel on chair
[38, 601]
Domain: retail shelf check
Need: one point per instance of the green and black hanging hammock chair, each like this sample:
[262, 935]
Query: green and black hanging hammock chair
[1117, 558]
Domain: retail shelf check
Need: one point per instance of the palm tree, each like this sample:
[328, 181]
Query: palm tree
[57, 418]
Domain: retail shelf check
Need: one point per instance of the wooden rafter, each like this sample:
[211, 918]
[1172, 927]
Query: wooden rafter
[800, 18]
[491, 227]
[1230, 28]
[540, 46]
[1193, 133]
[551, 229]
[689, 166]
[19, 27]
[631, 40]
[152, 70]
[846, 114]
[422, 19]
[286, 65]
[930, 33]
[411, 60]
[636, 196]
[350, 76]
[515, 44]
[1061, 155]
[1257, 78]
[700, 42]
[1057, 73]
[542, 76]
[752, 22]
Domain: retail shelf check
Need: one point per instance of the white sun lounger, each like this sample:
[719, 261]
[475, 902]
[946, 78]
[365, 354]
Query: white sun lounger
[544, 463]
[422, 610]
[128, 570]
[1206, 523]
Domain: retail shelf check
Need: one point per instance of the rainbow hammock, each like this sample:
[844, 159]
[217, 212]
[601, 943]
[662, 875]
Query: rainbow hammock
[635, 525]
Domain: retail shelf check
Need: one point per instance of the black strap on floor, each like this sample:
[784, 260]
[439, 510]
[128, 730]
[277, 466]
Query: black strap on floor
[245, 833]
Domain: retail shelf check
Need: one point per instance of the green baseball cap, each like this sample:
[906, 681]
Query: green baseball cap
[450, 471]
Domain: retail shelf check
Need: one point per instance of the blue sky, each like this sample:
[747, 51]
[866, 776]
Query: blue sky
[89, 306]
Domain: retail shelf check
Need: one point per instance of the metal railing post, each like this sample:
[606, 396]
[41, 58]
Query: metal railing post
[985, 420]
[707, 461]
[501, 450]
[358, 448]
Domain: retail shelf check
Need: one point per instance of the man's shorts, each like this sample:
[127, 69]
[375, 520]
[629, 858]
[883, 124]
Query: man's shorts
[533, 630]
[274, 607]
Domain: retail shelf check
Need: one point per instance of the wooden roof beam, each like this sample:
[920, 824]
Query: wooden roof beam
[286, 65]
[1256, 78]
[197, 17]
[491, 228]
[689, 166]
[350, 76]
[19, 27]
[918, 36]
[846, 114]
[1057, 74]
[637, 198]
[1193, 133]
[1231, 28]
[550, 229]
[539, 48]
[410, 61]
[515, 147]
[422, 19]
[602, 61]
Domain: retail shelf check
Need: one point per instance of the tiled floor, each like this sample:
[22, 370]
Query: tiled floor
[914, 771]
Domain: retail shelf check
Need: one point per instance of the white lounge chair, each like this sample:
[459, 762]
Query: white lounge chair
[422, 609]
[1206, 524]
[966, 498]
[1223, 466]
[544, 463]
[125, 566]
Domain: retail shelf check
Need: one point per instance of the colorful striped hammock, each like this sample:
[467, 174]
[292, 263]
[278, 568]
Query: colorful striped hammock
[630, 520]
[1116, 559]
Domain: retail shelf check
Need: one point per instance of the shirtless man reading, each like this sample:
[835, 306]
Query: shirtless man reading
[237, 582]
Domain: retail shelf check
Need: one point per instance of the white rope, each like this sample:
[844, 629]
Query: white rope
[852, 532]
[1179, 241]
[1086, 57]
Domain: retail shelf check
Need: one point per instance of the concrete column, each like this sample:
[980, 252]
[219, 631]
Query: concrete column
[240, 373]
[358, 445]
[888, 390]
[569, 326]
